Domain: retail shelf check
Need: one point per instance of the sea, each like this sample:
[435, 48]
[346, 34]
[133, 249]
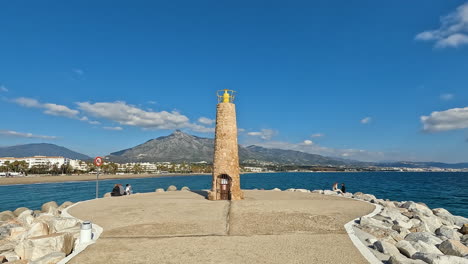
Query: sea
[447, 190]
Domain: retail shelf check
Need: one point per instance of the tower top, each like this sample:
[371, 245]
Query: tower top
[226, 96]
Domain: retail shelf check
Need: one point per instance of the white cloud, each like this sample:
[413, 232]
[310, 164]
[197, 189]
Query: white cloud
[265, 134]
[366, 120]
[117, 128]
[130, 115]
[451, 119]
[94, 122]
[317, 135]
[240, 130]
[24, 135]
[206, 121]
[3, 88]
[447, 96]
[453, 31]
[49, 108]
[308, 142]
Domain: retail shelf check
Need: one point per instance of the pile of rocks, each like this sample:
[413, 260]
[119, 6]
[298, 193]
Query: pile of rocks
[409, 232]
[37, 237]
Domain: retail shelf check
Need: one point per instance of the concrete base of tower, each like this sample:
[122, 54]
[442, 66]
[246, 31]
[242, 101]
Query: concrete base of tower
[234, 196]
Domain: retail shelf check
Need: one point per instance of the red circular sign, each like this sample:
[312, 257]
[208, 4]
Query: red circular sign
[98, 161]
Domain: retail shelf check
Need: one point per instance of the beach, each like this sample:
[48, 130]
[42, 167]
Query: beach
[84, 177]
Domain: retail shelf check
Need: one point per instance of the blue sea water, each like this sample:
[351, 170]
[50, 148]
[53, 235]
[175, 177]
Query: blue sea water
[446, 189]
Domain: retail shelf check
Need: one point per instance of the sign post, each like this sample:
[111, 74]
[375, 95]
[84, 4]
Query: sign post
[98, 162]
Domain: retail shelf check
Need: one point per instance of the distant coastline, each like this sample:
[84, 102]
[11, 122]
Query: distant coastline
[85, 177]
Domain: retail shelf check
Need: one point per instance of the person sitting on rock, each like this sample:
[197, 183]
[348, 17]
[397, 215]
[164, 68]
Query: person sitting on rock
[128, 189]
[336, 189]
[343, 188]
[116, 191]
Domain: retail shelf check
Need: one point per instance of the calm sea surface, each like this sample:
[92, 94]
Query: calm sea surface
[446, 190]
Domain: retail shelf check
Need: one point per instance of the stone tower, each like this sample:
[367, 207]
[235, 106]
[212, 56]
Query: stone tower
[226, 180]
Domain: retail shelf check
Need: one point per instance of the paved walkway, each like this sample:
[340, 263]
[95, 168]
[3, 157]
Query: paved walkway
[184, 227]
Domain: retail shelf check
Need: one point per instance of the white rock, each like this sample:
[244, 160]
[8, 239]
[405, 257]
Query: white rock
[290, 190]
[365, 197]
[400, 260]
[423, 236]
[11, 256]
[365, 220]
[50, 205]
[37, 247]
[276, 190]
[328, 192]
[448, 232]
[60, 223]
[318, 191]
[417, 208]
[51, 258]
[302, 190]
[424, 247]
[405, 248]
[451, 219]
[394, 214]
[348, 195]
[38, 229]
[185, 189]
[172, 188]
[26, 218]
[402, 223]
[386, 248]
[439, 259]
[454, 248]
[159, 190]
[18, 233]
[430, 223]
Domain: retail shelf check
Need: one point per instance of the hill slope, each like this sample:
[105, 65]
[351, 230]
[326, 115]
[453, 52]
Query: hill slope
[40, 149]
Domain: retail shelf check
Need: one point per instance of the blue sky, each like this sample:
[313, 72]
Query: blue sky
[365, 80]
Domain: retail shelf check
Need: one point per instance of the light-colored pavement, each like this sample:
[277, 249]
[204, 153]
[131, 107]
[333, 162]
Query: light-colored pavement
[184, 227]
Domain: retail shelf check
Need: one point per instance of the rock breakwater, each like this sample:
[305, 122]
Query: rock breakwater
[37, 237]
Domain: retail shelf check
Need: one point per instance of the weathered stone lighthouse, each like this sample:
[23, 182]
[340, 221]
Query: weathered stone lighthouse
[226, 179]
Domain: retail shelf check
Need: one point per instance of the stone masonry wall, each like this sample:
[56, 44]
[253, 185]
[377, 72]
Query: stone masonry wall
[226, 156]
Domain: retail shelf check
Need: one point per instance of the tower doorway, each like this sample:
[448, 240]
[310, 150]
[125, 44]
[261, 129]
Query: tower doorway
[225, 187]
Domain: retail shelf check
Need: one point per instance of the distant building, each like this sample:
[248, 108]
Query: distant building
[37, 161]
[253, 169]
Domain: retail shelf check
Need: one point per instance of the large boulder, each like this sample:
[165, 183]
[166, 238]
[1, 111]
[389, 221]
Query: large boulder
[64, 205]
[6, 215]
[383, 234]
[450, 233]
[405, 248]
[48, 206]
[18, 233]
[38, 229]
[18, 211]
[386, 248]
[26, 218]
[454, 248]
[365, 197]
[464, 240]
[302, 190]
[6, 245]
[185, 189]
[37, 247]
[106, 195]
[171, 188]
[424, 247]
[430, 224]
[449, 218]
[348, 195]
[394, 214]
[159, 190]
[326, 192]
[400, 260]
[314, 191]
[439, 259]
[365, 220]
[418, 208]
[51, 258]
[59, 224]
[423, 236]
[6, 229]
[276, 190]
[402, 223]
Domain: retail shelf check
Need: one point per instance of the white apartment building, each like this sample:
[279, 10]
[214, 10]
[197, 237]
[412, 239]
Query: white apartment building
[253, 169]
[37, 161]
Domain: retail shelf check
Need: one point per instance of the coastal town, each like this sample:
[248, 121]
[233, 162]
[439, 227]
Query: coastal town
[22, 166]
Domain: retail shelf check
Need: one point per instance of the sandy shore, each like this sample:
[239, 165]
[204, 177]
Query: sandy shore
[184, 227]
[84, 177]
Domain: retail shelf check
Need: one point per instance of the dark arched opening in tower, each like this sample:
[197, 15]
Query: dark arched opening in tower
[224, 187]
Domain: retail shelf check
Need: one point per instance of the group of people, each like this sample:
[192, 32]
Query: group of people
[119, 190]
[339, 190]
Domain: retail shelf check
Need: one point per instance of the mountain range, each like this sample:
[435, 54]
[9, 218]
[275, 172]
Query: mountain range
[182, 147]
[40, 149]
